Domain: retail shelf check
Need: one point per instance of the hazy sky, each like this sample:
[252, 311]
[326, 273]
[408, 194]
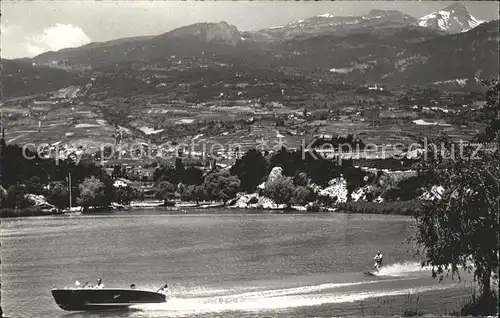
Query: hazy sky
[33, 27]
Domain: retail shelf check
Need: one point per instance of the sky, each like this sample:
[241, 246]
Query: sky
[29, 28]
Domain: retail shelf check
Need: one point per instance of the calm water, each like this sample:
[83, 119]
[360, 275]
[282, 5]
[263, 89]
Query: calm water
[220, 264]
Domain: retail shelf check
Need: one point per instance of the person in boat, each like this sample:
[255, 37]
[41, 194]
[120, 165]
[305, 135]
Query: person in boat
[132, 286]
[378, 261]
[99, 285]
[164, 290]
[87, 285]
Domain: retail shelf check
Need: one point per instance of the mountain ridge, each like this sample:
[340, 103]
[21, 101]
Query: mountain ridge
[382, 46]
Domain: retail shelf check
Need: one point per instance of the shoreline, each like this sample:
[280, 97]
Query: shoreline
[402, 208]
[186, 207]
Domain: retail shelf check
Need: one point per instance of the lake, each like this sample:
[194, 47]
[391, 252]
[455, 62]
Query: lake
[223, 265]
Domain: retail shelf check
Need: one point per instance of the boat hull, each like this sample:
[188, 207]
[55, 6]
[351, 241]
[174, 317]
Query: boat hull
[81, 299]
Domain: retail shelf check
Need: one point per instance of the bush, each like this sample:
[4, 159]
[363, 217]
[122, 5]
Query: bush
[16, 197]
[221, 186]
[479, 306]
[410, 312]
[396, 208]
[314, 207]
[303, 195]
[92, 193]
[281, 190]
[58, 195]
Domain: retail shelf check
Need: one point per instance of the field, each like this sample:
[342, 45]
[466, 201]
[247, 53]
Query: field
[225, 127]
[56, 124]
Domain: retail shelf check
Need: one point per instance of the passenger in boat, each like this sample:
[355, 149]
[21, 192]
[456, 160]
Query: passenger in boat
[99, 285]
[164, 290]
[132, 286]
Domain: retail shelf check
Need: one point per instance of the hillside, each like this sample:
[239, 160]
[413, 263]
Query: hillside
[22, 77]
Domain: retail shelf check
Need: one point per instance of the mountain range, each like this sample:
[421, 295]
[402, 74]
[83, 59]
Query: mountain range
[381, 46]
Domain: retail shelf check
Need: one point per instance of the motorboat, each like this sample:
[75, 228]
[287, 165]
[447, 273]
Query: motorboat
[86, 299]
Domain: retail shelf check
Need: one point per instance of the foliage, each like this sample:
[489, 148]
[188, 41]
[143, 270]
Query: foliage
[119, 172]
[492, 112]
[16, 168]
[16, 197]
[411, 207]
[125, 195]
[165, 173]
[301, 179]
[178, 174]
[407, 189]
[166, 191]
[194, 193]
[303, 195]
[410, 312]
[58, 195]
[192, 176]
[321, 170]
[34, 185]
[281, 190]
[251, 169]
[3, 196]
[463, 225]
[477, 306]
[35, 171]
[221, 186]
[294, 163]
[314, 207]
[92, 193]
[355, 177]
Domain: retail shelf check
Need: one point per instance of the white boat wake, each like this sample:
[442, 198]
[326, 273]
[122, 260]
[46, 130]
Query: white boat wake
[278, 299]
[403, 269]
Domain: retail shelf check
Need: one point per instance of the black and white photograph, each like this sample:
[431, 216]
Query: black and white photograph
[249, 159]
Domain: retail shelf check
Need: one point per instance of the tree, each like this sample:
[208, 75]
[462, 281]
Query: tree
[193, 193]
[302, 195]
[117, 172]
[164, 173]
[92, 193]
[221, 186]
[124, 195]
[251, 168]
[3, 196]
[16, 197]
[463, 224]
[193, 175]
[492, 112]
[58, 195]
[228, 188]
[180, 171]
[34, 185]
[166, 191]
[281, 190]
[355, 177]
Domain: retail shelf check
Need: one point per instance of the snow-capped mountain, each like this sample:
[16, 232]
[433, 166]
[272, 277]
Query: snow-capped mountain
[328, 23]
[453, 19]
